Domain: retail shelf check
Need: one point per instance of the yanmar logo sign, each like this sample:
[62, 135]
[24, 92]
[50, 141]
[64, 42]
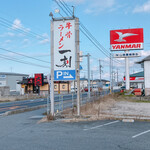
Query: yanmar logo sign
[126, 39]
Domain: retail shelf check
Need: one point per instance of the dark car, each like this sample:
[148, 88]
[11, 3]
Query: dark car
[123, 87]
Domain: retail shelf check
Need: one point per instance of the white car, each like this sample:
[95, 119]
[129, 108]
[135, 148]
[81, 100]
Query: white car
[73, 90]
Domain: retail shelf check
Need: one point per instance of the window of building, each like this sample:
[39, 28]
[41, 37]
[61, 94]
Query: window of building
[63, 86]
[55, 86]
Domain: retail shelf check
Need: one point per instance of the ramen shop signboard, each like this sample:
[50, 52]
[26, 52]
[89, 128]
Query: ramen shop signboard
[64, 50]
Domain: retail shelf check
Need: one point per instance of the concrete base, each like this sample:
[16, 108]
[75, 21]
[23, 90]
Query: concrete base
[147, 91]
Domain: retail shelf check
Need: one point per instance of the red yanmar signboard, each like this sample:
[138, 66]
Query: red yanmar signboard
[38, 79]
[126, 39]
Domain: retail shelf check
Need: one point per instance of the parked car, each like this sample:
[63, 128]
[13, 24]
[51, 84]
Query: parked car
[123, 87]
[73, 90]
[86, 89]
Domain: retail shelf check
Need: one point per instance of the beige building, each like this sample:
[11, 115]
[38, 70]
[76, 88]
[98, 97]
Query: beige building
[27, 84]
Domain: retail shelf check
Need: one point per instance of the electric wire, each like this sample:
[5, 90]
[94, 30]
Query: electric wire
[61, 7]
[89, 35]
[7, 23]
[23, 62]
[24, 55]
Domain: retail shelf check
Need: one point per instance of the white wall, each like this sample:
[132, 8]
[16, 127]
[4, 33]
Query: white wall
[147, 77]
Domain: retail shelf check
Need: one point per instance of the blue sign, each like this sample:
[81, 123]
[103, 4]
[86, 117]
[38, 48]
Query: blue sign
[64, 75]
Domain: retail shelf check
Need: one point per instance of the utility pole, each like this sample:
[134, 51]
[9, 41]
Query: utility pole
[92, 78]
[88, 60]
[100, 71]
[77, 65]
[117, 76]
[110, 73]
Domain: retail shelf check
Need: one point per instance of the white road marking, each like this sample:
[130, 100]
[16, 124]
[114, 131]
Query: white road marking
[101, 125]
[140, 134]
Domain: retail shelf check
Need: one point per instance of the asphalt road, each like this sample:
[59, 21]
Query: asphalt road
[17, 105]
[26, 104]
[22, 132]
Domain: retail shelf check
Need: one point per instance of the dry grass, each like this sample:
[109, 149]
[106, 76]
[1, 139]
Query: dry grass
[90, 111]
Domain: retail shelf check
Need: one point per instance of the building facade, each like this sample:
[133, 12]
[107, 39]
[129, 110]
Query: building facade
[10, 80]
[145, 63]
[137, 80]
[28, 86]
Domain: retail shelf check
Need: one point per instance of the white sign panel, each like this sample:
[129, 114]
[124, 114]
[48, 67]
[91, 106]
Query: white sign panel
[64, 50]
[124, 55]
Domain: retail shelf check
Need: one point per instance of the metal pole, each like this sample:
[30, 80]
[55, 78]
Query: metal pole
[117, 77]
[52, 69]
[112, 78]
[62, 102]
[100, 70]
[127, 72]
[110, 73]
[88, 61]
[73, 12]
[72, 101]
[48, 106]
[48, 97]
[92, 79]
[77, 65]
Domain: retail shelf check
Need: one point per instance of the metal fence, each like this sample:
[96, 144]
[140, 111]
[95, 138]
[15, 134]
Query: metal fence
[70, 100]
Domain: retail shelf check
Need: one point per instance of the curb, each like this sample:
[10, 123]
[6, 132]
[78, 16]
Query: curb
[126, 118]
[22, 110]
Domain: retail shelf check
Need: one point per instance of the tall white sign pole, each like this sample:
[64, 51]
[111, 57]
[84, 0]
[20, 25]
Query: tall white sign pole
[52, 69]
[127, 72]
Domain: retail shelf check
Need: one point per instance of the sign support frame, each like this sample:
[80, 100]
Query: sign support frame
[127, 71]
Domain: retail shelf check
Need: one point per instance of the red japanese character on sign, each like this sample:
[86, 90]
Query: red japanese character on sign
[61, 27]
[68, 34]
[60, 34]
[68, 25]
[60, 46]
[62, 38]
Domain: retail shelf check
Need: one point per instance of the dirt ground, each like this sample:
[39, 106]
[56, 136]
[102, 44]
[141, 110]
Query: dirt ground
[110, 107]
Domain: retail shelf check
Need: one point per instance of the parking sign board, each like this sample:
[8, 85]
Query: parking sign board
[64, 50]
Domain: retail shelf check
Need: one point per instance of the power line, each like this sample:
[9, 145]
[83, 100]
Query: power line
[61, 7]
[89, 35]
[23, 62]
[7, 23]
[94, 43]
[66, 6]
[81, 24]
[24, 55]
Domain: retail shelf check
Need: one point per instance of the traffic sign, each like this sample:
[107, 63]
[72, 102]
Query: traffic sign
[65, 75]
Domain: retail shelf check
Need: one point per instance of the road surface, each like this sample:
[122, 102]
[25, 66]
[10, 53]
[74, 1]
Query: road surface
[22, 132]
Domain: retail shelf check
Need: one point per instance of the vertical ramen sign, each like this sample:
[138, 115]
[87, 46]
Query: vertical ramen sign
[64, 50]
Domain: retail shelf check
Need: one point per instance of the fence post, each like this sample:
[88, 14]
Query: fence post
[62, 101]
[48, 105]
[72, 101]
